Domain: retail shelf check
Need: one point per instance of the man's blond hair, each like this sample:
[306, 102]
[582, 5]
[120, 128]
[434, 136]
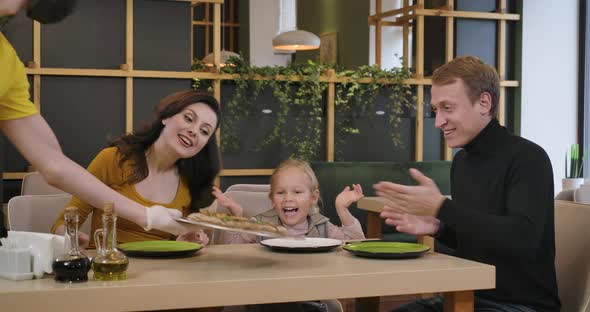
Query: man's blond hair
[477, 76]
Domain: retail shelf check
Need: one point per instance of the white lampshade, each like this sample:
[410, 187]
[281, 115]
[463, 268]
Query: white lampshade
[225, 55]
[296, 40]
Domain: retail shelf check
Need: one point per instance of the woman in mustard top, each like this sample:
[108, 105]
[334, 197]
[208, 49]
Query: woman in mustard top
[168, 163]
[22, 124]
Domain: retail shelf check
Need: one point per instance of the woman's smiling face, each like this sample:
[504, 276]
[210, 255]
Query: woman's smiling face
[187, 132]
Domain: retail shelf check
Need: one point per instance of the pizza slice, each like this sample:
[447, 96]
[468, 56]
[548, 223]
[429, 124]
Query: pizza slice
[235, 222]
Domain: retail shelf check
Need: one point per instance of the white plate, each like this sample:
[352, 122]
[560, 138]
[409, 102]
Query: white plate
[225, 228]
[307, 244]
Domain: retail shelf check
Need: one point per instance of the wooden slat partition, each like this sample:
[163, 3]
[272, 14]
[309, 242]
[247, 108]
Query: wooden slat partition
[330, 117]
[419, 145]
[129, 66]
[409, 15]
[449, 55]
[501, 62]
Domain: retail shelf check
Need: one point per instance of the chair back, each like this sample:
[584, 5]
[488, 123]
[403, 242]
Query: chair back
[35, 184]
[567, 195]
[249, 187]
[572, 251]
[253, 203]
[37, 213]
[582, 195]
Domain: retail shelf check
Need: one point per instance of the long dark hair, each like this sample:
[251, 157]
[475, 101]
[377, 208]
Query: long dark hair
[198, 171]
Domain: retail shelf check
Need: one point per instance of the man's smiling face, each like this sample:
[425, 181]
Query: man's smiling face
[459, 118]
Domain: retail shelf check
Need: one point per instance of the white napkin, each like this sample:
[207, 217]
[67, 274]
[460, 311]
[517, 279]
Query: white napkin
[42, 246]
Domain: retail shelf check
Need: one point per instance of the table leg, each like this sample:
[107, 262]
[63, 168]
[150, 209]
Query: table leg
[373, 225]
[373, 231]
[366, 304]
[459, 301]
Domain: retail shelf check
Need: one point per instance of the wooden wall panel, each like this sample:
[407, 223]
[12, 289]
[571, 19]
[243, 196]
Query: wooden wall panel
[477, 38]
[148, 92]
[162, 35]
[19, 31]
[84, 112]
[92, 37]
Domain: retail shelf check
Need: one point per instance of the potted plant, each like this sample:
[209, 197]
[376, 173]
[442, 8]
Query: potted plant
[573, 176]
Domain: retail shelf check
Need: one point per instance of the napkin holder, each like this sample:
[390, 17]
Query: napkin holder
[24, 255]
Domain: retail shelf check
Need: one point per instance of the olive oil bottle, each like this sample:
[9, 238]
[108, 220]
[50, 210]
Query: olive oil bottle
[109, 264]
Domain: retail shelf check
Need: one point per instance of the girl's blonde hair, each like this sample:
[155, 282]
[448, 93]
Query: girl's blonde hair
[304, 166]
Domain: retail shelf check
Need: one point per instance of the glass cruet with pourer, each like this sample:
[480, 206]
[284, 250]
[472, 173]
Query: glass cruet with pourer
[73, 265]
[109, 264]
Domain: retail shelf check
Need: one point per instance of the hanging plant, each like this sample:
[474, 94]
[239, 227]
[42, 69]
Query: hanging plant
[201, 84]
[355, 99]
[304, 99]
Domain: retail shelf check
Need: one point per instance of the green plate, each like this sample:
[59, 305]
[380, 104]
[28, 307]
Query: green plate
[386, 250]
[159, 249]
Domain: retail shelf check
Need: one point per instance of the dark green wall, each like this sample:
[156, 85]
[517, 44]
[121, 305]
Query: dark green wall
[347, 17]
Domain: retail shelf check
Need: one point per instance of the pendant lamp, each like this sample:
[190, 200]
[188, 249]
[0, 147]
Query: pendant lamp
[223, 58]
[296, 40]
[289, 38]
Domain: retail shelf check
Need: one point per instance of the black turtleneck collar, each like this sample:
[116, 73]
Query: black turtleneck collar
[488, 139]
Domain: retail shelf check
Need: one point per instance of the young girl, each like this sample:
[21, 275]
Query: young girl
[294, 193]
[167, 165]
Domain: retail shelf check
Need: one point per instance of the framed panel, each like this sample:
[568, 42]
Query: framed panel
[92, 37]
[434, 43]
[84, 112]
[162, 35]
[198, 42]
[19, 31]
[147, 93]
[468, 39]
[469, 32]
[476, 6]
[253, 129]
[373, 142]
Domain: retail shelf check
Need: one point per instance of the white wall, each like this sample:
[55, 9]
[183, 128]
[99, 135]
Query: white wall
[550, 78]
[264, 25]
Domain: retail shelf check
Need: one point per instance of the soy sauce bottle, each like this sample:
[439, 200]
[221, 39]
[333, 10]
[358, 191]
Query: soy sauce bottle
[110, 263]
[72, 266]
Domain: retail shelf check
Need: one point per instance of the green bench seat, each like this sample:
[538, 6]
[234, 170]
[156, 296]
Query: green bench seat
[334, 176]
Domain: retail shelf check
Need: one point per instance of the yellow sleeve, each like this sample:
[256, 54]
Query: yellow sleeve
[15, 101]
[102, 168]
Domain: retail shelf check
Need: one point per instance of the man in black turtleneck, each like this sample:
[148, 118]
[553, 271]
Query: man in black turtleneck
[501, 212]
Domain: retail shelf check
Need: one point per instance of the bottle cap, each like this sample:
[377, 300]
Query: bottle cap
[71, 211]
[108, 208]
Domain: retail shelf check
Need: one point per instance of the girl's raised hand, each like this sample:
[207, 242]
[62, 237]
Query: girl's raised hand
[349, 196]
[234, 208]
